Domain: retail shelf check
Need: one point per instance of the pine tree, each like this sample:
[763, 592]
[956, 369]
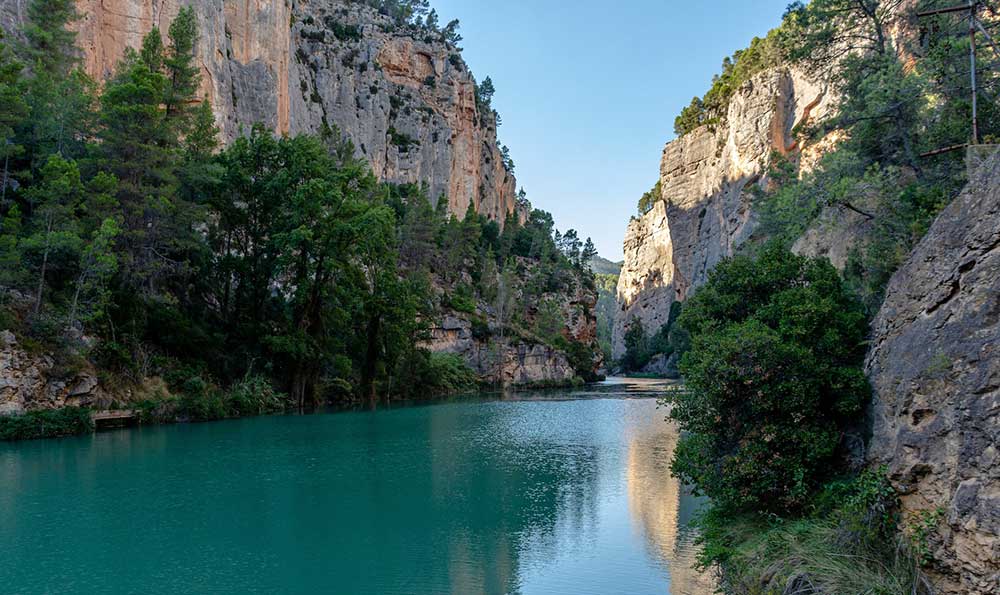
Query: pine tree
[54, 199]
[589, 253]
[181, 69]
[139, 147]
[50, 43]
[59, 92]
[13, 110]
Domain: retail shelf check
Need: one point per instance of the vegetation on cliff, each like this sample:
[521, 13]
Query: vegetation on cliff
[775, 390]
[129, 237]
[774, 378]
[775, 342]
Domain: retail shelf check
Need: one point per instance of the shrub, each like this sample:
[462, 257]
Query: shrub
[254, 395]
[69, 421]
[424, 374]
[462, 299]
[846, 543]
[773, 379]
[341, 31]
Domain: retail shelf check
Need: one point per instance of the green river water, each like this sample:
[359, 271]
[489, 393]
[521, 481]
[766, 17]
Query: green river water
[564, 492]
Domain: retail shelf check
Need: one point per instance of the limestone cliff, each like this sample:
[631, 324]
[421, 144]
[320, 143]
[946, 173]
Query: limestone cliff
[403, 95]
[511, 355]
[30, 381]
[935, 368]
[706, 210]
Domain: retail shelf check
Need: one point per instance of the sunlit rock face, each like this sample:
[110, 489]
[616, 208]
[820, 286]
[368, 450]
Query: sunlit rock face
[405, 99]
[706, 178]
[935, 368]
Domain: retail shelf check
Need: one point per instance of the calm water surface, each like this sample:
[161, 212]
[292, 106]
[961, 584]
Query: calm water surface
[561, 493]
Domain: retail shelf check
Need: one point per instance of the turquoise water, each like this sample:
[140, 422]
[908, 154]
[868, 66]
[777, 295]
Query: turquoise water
[567, 493]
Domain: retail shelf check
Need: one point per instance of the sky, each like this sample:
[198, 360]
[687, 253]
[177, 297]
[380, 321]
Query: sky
[588, 91]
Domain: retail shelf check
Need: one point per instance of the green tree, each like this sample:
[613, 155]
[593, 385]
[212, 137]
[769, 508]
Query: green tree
[140, 147]
[13, 110]
[774, 377]
[649, 199]
[182, 71]
[50, 43]
[98, 264]
[59, 92]
[636, 347]
[53, 202]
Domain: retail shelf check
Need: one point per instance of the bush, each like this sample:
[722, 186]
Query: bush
[773, 377]
[846, 543]
[254, 395]
[424, 374]
[69, 421]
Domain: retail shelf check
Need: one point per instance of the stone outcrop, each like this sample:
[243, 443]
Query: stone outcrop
[508, 355]
[403, 96]
[30, 381]
[707, 179]
[506, 362]
[935, 368]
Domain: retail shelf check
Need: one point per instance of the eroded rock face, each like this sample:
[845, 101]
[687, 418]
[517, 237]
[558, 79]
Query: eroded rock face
[706, 178]
[406, 99]
[935, 368]
[28, 382]
[506, 362]
[645, 289]
[501, 354]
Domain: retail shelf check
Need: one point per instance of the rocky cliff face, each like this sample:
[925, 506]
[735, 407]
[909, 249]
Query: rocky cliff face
[935, 368]
[510, 356]
[30, 381]
[403, 96]
[706, 210]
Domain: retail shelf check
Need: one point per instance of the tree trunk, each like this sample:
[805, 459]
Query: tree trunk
[45, 263]
[371, 362]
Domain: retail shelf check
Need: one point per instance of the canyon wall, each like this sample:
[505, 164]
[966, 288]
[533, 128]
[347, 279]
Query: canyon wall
[935, 370]
[403, 96]
[707, 178]
[510, 355]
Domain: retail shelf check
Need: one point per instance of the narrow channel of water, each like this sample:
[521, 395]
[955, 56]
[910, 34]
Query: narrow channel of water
[564, 492]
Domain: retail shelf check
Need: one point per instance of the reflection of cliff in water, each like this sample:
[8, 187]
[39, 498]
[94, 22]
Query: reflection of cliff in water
[663, 509]
[538, 488]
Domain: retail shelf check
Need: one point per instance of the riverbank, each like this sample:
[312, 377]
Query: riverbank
[564, 495]
[249, 398]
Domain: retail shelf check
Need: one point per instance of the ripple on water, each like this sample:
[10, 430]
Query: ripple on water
[567, 492]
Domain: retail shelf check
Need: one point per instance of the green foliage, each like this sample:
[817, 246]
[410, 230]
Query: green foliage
[889, 114]
[846, 542]
[254, 395]
[343, 32]
[403, 12]
[773, 378]
[736, 70]
[423, 374]
[123, 222]
[607, 307]
[46, 424]
[649, 199]
[402, 140]
[640, 348]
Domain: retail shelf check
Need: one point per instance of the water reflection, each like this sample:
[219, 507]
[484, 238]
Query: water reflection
[662, 508]
[554, 493]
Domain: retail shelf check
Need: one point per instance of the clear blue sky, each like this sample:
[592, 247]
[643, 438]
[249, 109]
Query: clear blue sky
[588, 91]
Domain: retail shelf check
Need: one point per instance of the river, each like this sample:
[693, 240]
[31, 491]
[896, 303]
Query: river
[564, 492]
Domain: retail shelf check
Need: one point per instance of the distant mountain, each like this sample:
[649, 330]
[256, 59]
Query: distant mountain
[603, 266]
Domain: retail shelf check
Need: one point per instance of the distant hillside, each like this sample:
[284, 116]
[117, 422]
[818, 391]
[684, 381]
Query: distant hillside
[603, 266]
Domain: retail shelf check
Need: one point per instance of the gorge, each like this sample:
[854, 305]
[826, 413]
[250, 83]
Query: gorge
[300, 212]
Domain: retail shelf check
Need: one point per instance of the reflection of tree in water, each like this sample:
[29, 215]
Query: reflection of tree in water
[662, 509]
[512, 481]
